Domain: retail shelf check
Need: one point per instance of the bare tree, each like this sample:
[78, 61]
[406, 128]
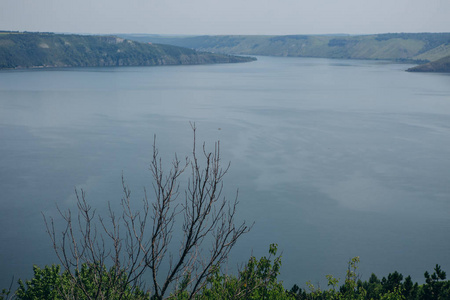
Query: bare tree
[120, 250]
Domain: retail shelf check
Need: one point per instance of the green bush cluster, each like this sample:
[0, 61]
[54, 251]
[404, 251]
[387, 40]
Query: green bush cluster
[50, 283]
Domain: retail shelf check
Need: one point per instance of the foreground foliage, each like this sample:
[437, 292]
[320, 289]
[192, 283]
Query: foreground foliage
[391, 288]
[51, 283]
[258, 279]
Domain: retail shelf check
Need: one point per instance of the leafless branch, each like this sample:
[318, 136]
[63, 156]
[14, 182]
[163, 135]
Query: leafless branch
[125, 246]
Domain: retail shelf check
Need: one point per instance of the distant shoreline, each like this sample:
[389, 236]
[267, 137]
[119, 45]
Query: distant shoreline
[416, 48]
[49, 50]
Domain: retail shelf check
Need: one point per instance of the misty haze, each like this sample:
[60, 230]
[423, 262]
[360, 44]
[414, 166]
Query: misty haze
[335, 119]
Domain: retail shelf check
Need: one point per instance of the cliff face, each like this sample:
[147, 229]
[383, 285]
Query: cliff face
[32, 50]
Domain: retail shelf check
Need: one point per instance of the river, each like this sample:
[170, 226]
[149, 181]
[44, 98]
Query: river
[332, 158]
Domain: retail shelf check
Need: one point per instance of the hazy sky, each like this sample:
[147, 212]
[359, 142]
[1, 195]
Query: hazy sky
[226, 17]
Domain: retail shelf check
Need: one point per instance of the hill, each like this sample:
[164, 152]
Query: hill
[440, 65]
[408, 47]
[32, 50]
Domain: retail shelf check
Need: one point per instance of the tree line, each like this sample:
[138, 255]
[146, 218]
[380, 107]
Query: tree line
[257, 280]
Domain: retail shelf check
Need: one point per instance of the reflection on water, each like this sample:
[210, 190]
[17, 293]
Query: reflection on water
[332, 158]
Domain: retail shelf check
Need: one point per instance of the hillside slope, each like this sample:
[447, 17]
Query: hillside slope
[419, 47]
[31, 50]
[441, 65]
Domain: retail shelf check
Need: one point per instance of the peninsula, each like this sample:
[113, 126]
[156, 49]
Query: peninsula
[45, 50]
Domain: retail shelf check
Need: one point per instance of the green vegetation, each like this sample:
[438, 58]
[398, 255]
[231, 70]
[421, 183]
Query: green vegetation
[440, 65]
[51, 283]
[32, 50]
[403, 47]
[257, 280]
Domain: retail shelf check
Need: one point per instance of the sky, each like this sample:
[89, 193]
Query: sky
[197, 17]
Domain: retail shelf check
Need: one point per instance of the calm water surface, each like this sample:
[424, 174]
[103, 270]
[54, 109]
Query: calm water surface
[332, 158]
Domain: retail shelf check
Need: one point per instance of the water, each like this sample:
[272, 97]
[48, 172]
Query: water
[332, 158]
